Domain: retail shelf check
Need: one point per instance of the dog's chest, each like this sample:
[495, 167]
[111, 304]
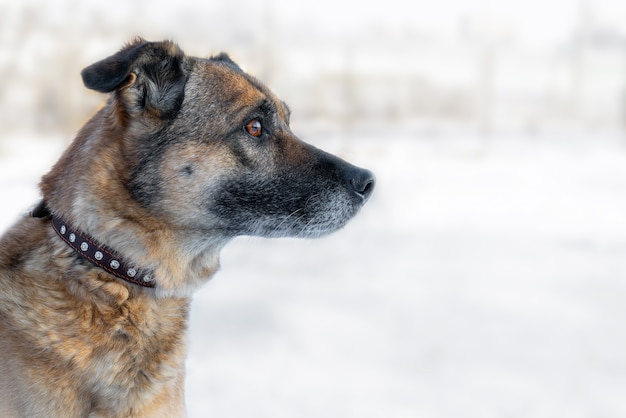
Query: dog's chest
[138, 348]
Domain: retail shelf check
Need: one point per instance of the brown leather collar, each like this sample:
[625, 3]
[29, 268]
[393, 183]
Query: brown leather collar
[98, 254]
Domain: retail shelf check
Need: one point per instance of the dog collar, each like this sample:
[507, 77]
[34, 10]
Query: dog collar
[98, 254]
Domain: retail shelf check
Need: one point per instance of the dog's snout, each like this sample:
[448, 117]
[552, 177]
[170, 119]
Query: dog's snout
[362, 182]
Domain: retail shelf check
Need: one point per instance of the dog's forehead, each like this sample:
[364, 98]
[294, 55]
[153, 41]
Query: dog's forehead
[233, 87]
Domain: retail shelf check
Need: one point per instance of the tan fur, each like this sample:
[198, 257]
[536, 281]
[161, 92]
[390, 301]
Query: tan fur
[77, 342]
[165, 175]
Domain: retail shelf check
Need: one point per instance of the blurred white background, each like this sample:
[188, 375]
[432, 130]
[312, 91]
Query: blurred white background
[485, 278]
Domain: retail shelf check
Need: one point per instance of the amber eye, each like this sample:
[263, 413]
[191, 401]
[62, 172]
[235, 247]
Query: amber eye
[254, 128]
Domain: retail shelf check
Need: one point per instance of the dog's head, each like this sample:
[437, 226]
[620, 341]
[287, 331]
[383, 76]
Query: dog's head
[201, 149]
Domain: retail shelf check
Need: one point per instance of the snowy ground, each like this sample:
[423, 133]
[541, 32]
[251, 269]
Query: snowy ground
[482, 280]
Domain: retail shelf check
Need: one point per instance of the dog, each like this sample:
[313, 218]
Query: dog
[96, 282]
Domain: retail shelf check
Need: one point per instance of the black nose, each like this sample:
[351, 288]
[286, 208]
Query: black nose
[362, 182]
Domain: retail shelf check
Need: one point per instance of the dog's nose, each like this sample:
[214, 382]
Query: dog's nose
[362, 182]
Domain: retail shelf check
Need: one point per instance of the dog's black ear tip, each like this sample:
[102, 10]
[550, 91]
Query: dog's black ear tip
[225, 58]
[222, 56]
[104, 76]
[108, 74]
[87, 75]
[90, 79]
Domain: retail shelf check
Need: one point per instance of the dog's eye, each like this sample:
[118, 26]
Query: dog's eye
[254, 128]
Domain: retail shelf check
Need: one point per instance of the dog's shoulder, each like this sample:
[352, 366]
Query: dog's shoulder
[22, 245]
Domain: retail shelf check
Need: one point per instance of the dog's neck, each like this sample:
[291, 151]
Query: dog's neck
[101, 256]
[97, 254]
[170, 274]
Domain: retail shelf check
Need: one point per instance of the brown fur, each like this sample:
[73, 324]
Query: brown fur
[165, 175]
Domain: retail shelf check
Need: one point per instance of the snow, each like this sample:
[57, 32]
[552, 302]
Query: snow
[483, 279]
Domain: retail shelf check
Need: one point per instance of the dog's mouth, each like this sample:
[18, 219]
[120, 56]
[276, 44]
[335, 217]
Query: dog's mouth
[321, 216]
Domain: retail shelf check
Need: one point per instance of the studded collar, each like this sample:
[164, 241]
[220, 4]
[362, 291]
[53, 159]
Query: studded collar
[96, 253]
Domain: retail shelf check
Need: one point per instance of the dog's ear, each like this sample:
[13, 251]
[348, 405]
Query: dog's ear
[146, 76]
